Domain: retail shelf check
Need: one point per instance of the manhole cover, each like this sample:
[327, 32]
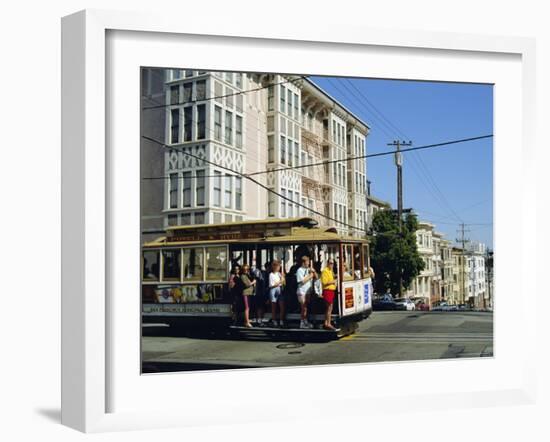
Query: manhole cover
[290, 345]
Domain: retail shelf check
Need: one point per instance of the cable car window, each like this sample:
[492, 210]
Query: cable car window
[357, 262]
[150, 271]
[365, 261]
[171, 270]
[192, 264]
[216, 263]
[347, 263]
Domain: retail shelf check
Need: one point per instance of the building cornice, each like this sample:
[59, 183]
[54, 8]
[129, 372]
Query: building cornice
[335, 106]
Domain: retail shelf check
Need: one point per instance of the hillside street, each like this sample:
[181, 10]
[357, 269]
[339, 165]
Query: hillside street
[384, 336]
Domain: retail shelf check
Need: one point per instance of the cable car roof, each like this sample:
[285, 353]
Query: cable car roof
[287, 230]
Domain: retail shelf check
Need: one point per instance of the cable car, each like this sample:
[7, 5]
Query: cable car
[185, 273]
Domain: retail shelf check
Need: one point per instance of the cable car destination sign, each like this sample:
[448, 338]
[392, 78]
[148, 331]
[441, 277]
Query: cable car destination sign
[229, 232]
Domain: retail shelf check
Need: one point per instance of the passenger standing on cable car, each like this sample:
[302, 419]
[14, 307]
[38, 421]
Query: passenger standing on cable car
[276, 283]
[249, 285]
[261, 295]
[304, 277]
[234, 287]
[233, 281]
[329, 289]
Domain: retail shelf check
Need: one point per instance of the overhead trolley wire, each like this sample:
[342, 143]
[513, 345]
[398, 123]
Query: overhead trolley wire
[159, 106]
[344, 160]
[264, 187]
[427, 178]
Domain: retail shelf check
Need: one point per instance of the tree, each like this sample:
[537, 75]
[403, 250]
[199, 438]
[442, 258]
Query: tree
[394, 253]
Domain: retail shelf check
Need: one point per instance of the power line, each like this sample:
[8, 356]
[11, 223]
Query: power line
[212, 130]
[302, 166]
[159, 106]
[421, 163]
[376, 110]
[373, 155]
[460, 210]
[458, 224]
[382, 118]
[263, 186]
[426, 179]
[463, 240]
[193, 121]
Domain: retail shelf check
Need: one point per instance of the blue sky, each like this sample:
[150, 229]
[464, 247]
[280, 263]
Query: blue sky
[444, 185]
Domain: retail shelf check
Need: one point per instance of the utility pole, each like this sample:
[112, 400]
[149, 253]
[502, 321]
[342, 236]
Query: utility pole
[399, 164]
[463, 241]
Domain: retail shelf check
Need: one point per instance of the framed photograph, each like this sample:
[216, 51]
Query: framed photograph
[299, 215]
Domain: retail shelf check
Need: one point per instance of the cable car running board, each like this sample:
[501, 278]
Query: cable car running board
[279, 329]
[255, 332]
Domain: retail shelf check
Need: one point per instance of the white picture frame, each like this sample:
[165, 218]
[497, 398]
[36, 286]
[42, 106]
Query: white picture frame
[87, 321]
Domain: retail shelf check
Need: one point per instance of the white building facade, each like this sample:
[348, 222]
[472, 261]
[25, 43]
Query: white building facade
[476, 278]
[422, 285]
[447, 263]
[219, 125]
[374, 205]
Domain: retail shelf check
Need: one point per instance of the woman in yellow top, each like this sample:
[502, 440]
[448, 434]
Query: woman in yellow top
[329, 289]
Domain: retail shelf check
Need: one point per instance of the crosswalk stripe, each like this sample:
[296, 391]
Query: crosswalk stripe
[486, 337]
[425, 340]
[426, 334]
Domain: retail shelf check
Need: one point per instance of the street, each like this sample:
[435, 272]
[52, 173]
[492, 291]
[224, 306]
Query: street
[384, 336]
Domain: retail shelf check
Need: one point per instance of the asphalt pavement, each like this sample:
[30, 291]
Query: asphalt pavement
[383, 337]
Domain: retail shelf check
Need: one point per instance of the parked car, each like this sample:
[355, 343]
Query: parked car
[444, 307]
[384, 302]
[404, 304]
[420, 304]
[423, 307]
[441, 307]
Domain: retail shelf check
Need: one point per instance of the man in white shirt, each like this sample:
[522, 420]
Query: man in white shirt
[304, 277]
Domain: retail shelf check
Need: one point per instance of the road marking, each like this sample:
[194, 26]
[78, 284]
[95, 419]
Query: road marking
[435, 335]
[347, 338]
[439, 341]
[413, 341]
[423, 338]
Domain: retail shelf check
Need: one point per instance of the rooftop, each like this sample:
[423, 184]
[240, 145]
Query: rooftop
[319, 89]
[378, 201]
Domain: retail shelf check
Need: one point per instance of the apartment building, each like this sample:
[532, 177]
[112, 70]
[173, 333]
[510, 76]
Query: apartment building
[374, 205]
[218, 125]
[152, 125]
[459, 276]
[489, 284]
[476, 275]
[447, 294]
[422, 285]
[437, 278]
[470, 276]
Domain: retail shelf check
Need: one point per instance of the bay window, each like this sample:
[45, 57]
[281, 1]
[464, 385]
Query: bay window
[186, 189]
[228, 194]
[217, 123]
[174, 126]
[173, 195]
[201, 121]
[228, 127]
[217, 188]
[200, 190]
[238, 193]
[238, 131]
[188, 123]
